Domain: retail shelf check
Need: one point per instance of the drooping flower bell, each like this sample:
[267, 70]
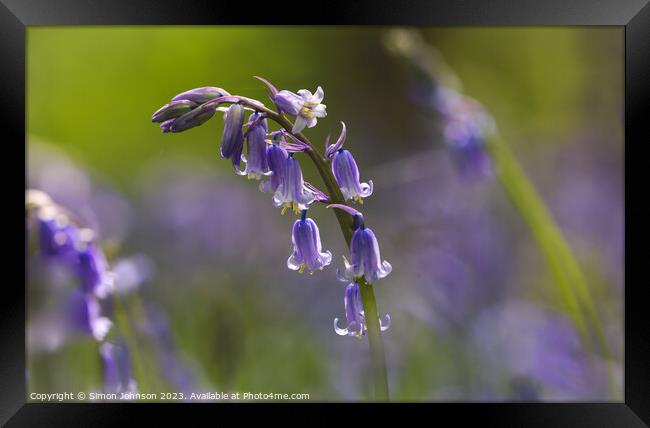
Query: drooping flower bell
[116, 365]
[84, 315]
[346, 173]
[365, 258]
[306, 107]
[307, 248]
[276, 157]
[257, 158]
[232, 141]
[291, 192]
[354, 314]
[345, 169]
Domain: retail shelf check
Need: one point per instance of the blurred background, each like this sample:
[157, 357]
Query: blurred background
[206, 302]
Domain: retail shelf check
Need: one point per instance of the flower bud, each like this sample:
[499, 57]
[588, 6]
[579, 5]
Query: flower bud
[232, 140]
[196, 117]
[201, 95]
[173, 110]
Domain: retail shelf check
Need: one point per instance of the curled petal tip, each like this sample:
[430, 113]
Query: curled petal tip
[343, 134]
[340, 331]
[327, 146]
[272, 89]
[331, 149]
[346, 208]
[385, 325]
[342, 276]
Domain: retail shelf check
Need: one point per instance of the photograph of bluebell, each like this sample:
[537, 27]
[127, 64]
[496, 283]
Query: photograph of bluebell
[324, 214]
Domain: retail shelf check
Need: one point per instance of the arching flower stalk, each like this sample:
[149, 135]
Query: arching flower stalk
[285, 182]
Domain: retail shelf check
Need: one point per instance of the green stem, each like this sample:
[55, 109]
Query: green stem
[375, 342]
[561, 261]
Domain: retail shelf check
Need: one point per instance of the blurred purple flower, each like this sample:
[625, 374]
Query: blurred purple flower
[73, 246]
[184, 201]
[156, 326]
[521, 340]
[84, 315]
[116, 365]
[97, 205]
[93, 271]
[131, 272]
[56, 235]
[466, 125]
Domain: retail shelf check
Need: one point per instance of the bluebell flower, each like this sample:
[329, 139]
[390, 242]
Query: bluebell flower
[232, 141]
[191, 119]
[291, 192]
[306, 107]
[116, 365]
[365, 259]
[201, 95]
[307, 248]
[346, 173]
[84, 315]
[354, 314]
[276, 158]
[257, 159]
[173, 110]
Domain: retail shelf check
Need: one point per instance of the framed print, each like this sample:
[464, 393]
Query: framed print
[416, 205]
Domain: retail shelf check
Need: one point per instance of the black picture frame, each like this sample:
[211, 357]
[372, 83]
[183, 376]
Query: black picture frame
[633, 15]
